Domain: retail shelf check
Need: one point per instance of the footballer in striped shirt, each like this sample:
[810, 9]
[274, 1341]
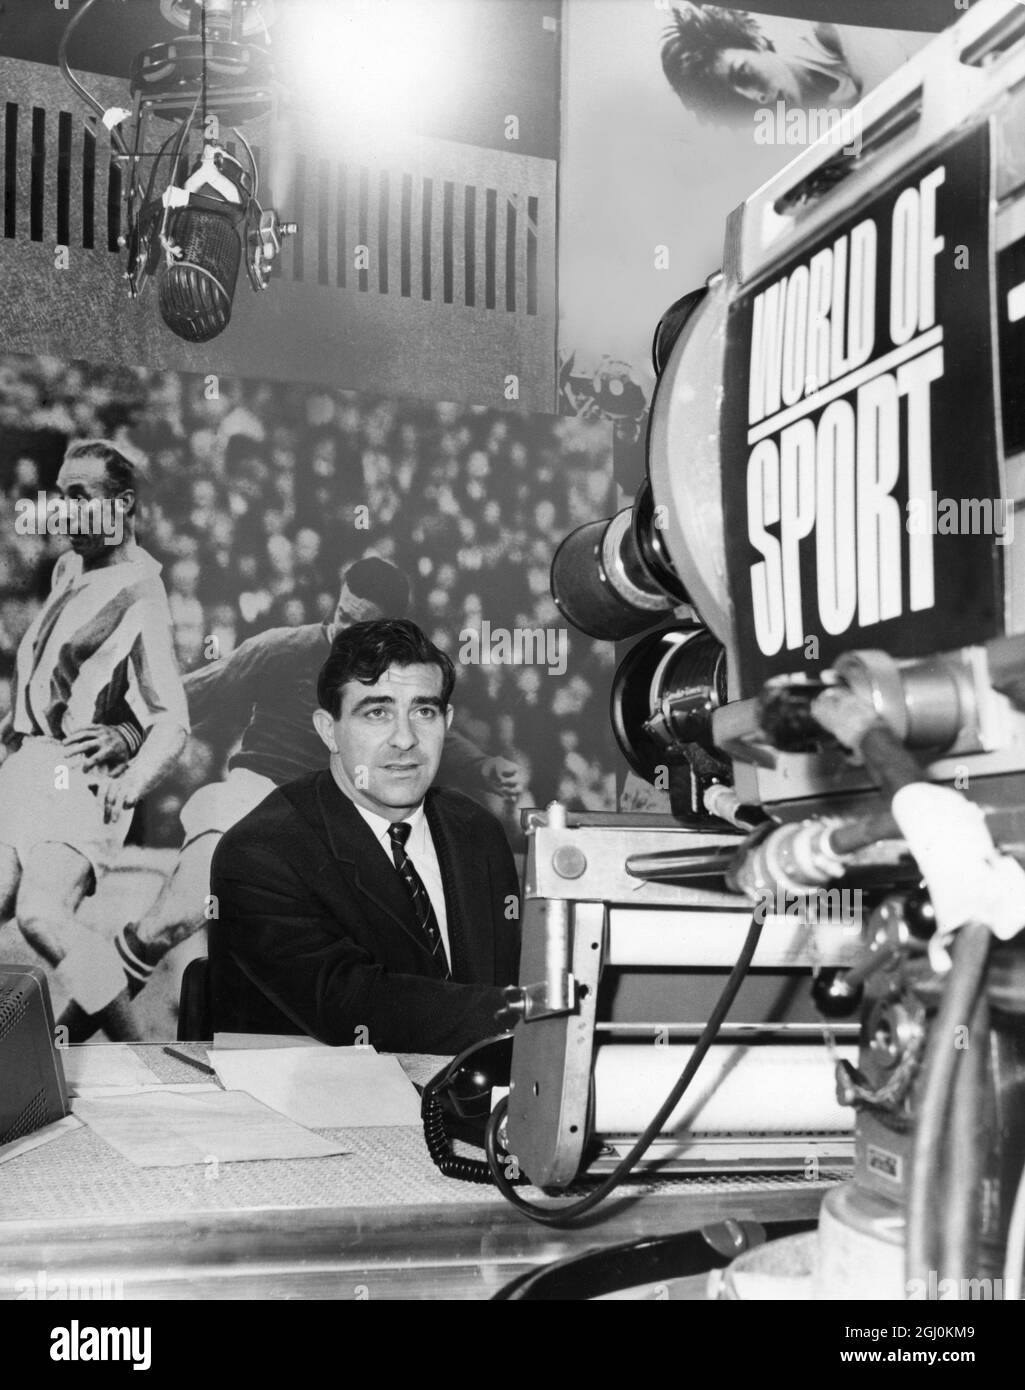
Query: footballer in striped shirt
[98, 718]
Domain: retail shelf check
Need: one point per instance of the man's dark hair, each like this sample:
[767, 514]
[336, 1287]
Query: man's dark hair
[365, 651]
[119, 471]
[690, 52]
[380, 583]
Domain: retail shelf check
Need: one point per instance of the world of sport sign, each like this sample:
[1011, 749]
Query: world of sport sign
[860, 473]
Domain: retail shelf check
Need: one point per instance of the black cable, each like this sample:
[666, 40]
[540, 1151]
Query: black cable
[964, 1165]
[184, 132]
[646, 1261]
[202, 47]
[440, 1149]
[116, 138]
[924, 1242]
[560, 1216]
[254, 171]
[128, 220]
[183, 138]
[154, 168]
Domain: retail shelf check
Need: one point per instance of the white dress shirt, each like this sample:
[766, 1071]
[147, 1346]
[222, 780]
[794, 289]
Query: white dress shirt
[420, 848]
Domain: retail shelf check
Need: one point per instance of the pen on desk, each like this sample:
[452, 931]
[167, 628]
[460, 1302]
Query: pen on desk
[189, 1061]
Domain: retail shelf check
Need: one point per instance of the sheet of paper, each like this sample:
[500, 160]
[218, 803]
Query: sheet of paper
[38, 1137]
[171, 1129]
[188, 1088]
[105, 1064]
[324, 1088]
[237, 1041]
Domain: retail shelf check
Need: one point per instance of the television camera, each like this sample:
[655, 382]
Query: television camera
[825, 597]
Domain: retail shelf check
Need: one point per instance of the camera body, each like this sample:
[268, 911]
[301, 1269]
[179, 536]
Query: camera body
[838, 432]
[836, 460]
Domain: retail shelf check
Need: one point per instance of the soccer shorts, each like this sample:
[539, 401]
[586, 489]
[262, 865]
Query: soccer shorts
[46, 798]
[220, 805]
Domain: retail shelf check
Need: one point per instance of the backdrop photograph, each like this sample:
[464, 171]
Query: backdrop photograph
[672, 114]
[257, 498]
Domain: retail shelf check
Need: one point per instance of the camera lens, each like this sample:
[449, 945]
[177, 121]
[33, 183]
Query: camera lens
[613, 579]
[599, 584]
[663, 696]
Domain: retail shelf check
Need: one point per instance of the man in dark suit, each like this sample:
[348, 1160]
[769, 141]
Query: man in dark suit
[359, 903]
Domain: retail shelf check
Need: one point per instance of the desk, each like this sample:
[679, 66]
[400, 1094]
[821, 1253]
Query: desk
[378, 1223]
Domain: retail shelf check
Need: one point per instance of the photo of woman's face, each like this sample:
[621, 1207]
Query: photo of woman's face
[758, 75]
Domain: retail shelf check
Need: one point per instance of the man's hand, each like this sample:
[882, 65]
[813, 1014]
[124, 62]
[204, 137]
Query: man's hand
[100, 746]
[503, 776]
[121, 793]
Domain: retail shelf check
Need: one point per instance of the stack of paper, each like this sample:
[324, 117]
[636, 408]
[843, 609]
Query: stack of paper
[171, 1128]
[323, 1087]
[106, 1065]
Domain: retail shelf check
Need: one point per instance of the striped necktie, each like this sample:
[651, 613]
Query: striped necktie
[426, 920]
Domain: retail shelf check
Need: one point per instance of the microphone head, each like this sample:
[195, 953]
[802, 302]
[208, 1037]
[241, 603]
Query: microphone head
[195, 291]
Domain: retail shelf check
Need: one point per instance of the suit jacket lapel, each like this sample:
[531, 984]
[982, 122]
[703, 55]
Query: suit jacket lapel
[353, 843]
[467, 884]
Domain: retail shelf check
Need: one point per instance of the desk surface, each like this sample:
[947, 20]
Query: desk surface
[379, 1222]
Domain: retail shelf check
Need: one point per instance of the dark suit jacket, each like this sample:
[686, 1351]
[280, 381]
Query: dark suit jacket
[315, 930]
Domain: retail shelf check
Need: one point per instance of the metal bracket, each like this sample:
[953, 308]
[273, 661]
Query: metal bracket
[546, 999]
